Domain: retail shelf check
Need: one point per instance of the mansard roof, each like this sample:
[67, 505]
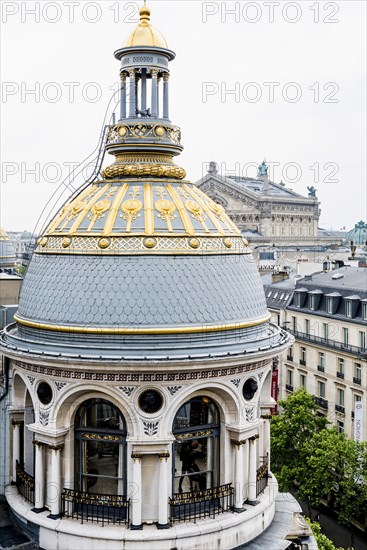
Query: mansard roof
[253, 188]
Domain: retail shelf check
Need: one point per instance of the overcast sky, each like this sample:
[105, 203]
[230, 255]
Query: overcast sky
[296, 70]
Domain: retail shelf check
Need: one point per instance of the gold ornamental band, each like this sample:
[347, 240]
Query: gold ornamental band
[141, 330]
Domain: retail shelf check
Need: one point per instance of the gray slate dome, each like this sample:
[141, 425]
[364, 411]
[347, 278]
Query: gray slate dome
[141, 263]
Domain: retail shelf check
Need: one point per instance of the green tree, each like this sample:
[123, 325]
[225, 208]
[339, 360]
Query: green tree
[323, 542]
[292, 432]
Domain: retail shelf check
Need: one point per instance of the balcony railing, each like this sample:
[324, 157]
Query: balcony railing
[24, 483]
[201, 504]
[262, 476]
[340, 375]
[323, 403]
[340, 408]
[302, 362]
[356, 380]
[289, 357]
[321, 368]
[327, 343]
[95, 508]
[289, 387]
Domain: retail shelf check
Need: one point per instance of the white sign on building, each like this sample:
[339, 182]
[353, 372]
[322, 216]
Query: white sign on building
[358, 421]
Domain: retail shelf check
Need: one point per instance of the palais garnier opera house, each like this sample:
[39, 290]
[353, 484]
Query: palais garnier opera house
[141, 354]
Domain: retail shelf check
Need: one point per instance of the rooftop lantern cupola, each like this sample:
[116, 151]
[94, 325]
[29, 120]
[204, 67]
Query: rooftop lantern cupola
[144, 125]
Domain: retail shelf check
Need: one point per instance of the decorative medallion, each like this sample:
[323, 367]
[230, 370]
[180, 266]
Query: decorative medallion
[122, 131]
[131, 209]
[165, 208]
[150, 401]
[217, 209]
[194, 243]
[104, 243]
[151, 428]
[150, 242]
[77, 208]
[99, 209]
[195, 210]
[66, 242]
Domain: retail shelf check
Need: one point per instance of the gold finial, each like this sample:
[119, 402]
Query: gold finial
[144, 14]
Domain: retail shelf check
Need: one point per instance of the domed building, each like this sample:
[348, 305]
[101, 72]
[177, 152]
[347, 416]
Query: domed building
[141, 356]
[7, 252]
[358, 234]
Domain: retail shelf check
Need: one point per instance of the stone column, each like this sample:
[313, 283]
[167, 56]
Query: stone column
[123, 95]
[144, 90]
[16, 447]
[162, 497]
[266, 437]
[136, 500]
[166, 96]
[55, 485]
[39, 478]
[252, 470]
[239, 476]
[132, 92]
[154, 73]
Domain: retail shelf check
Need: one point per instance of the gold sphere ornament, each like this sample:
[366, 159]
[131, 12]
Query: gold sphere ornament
[66, 242]
[122, 131]
[43, 242]
[150, 242]
[104, 243]
[228, 243]
[194, 243]
[160, 131]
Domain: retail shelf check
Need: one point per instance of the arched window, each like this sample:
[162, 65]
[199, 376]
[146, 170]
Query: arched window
[100, 441]
[196, 448]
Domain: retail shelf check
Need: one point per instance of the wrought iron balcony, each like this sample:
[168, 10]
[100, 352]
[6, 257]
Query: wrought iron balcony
[289, 387]
[94, 507]
[262, 476]
[356, 380]
[321, 368]
[24, 483]
[340, 408]
[340, 375]
[323, 403]
[327, 343]
[302, 362]
[289, 357]
[201, 504]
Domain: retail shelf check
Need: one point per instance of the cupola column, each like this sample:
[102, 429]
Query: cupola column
[239, 476]
[166, 96]
[16, 447]
[136, 501]
[132, 76]
[252, 469]
[143, 89]
[123, 95]
[163, 493]
[39, 477]
[154, 73]
[55, 485]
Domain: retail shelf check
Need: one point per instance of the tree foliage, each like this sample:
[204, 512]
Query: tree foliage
[320, 462]
[323, 542]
